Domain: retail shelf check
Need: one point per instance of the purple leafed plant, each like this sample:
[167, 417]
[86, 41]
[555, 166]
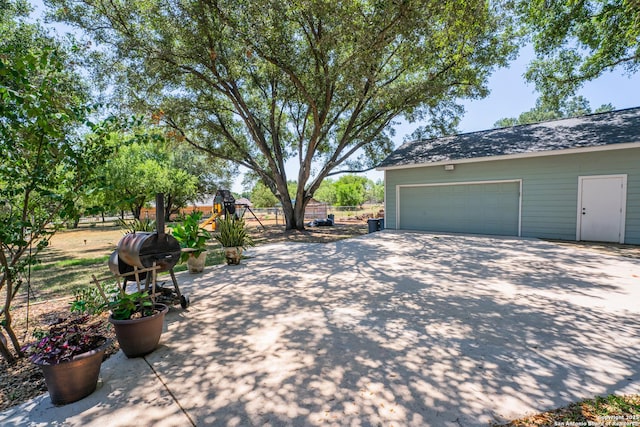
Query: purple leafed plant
[64, 340]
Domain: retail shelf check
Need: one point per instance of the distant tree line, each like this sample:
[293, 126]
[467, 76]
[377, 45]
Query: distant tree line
[545, 110]
[348, 190]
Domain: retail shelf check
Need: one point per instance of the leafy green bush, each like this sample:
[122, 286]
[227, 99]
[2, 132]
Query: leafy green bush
[88, 300]
[108, 295]
[125, 305]
[190, 235]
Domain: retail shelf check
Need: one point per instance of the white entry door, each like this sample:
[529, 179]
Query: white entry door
[601, 208]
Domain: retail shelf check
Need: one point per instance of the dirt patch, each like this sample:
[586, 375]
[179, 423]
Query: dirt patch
[322, 234]
[23, 380]
[615, 249]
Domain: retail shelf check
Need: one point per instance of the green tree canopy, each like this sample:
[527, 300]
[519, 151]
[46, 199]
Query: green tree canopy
[577, 41]
[327, 192]
[573, 107]
[50, 149]
[211, 173]
[317, 82]
[351, 190]
[375, 192]
[262, 197]
[351, 194]
[144, 166]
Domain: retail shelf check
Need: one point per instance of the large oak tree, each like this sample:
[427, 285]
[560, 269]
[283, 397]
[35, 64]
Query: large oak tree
[317, 82]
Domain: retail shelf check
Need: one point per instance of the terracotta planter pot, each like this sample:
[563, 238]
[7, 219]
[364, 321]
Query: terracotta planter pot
[233, 255]
[138, 337]
[71, 381]
[196, 264]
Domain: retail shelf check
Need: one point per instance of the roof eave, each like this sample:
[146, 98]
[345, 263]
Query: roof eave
[597, 148]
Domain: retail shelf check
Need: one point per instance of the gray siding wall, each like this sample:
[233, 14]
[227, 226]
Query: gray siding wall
[549, 187]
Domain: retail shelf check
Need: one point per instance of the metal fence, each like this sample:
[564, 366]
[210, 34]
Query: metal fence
[274, 215]
[343, 213]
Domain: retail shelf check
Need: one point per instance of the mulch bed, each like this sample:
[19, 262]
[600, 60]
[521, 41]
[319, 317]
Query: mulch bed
[23, 380]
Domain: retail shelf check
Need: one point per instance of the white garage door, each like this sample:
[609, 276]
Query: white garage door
[478, 208]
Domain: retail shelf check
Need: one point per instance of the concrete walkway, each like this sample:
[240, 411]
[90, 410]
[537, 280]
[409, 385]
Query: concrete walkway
[387, 329]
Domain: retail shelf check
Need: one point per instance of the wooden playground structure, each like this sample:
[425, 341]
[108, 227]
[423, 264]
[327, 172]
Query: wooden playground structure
[225, 204]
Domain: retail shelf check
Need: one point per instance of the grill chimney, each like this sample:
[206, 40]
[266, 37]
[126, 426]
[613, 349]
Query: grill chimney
[160, 214]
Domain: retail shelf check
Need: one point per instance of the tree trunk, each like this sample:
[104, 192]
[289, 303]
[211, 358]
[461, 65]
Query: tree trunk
[299, 209]
[289, 219]
[6, 282]
[136, 210]
[168, 207]
[12, 335]
[294, 215]
[4, 350]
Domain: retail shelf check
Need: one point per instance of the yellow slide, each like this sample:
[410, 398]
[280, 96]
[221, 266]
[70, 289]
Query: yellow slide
[215, 214]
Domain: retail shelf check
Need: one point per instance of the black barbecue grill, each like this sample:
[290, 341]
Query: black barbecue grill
[143, 249]
[140, 250]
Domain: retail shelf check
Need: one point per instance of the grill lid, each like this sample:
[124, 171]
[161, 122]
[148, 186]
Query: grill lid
[143, 249]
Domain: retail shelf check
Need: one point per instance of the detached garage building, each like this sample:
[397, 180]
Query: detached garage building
[571, 179]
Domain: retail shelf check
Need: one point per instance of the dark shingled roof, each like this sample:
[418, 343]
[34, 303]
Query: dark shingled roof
[616, 127]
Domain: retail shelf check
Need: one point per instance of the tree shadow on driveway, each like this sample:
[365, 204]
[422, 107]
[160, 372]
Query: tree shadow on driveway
[391, 329]
[402, 329]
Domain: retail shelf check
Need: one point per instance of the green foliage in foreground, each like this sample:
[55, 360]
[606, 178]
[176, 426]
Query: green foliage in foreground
[51, 150]
[190, 235]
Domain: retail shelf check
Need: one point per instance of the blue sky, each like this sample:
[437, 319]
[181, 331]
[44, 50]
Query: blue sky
[510, 95]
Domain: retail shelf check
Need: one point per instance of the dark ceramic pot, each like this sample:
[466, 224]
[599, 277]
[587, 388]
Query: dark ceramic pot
[138, 337]
[71, 381]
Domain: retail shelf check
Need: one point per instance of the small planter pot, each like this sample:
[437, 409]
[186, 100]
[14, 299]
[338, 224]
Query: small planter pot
[138, 337]
[71, 381]
[233, 254]
[196, 264]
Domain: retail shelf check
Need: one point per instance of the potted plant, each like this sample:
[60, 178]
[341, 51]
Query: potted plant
[70, 354]
[233, 236]
[137, 321]
[145, 224]
[193, 240]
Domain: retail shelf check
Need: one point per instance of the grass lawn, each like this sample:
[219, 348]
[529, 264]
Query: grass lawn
[74, 255]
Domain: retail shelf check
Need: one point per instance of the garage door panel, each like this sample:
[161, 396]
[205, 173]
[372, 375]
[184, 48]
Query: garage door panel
[491, 208]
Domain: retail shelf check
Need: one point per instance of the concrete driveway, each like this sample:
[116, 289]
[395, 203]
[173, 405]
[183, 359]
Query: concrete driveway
[387, 329]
